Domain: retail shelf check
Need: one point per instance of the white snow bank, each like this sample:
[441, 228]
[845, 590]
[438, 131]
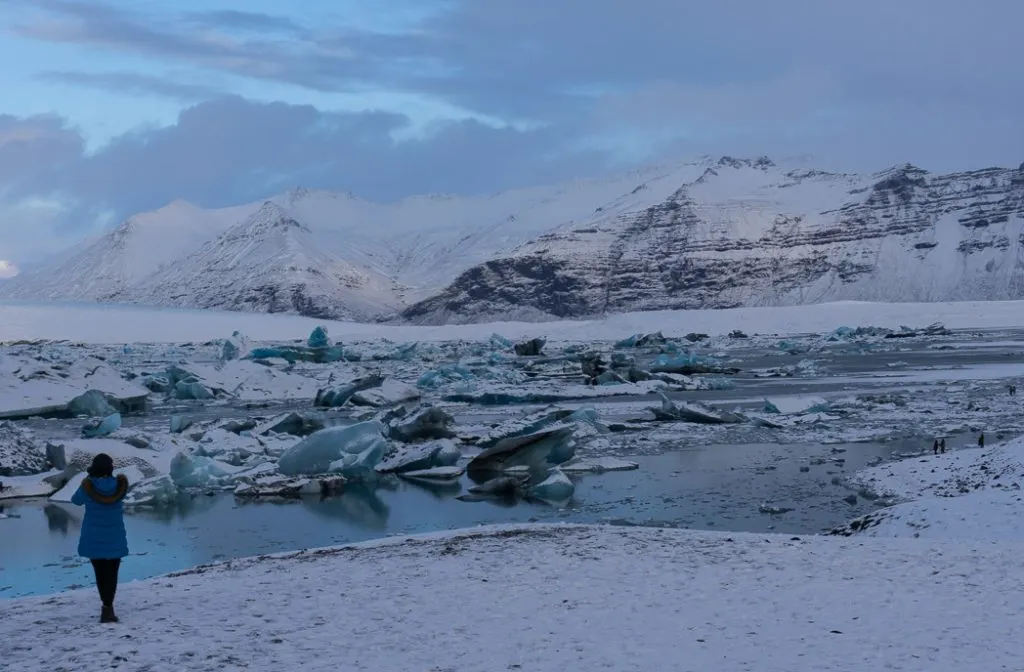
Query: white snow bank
[553, 598]
[93, 323]
[949, 474]
[972, 494]
[28, 385]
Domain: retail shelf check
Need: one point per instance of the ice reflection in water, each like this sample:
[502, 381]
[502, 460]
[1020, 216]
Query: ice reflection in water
[710, 487]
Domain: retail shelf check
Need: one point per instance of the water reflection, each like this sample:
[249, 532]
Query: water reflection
[359, 505]
[61, 520]
[709, 487]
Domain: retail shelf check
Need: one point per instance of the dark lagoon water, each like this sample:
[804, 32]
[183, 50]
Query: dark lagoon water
[708, 487]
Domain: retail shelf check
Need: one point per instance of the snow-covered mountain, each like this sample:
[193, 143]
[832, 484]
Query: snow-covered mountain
[749, 233]
[711, 233]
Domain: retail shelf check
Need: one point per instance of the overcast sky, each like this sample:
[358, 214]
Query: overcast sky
[112, 108]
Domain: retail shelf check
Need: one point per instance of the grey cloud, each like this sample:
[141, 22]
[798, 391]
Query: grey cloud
[32, 146]
[247, 21]
[133, 83]
[230, 151]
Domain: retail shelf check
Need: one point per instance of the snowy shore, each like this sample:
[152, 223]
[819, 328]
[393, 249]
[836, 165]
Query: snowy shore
[970, 494]
[553, 598]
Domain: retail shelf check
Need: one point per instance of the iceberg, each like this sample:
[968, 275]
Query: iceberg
[531, 348]
[446, 374]
[421, 457]
[541, 449]
[338, 397]
[390, 393]
[289, 423]
[232, 348]
[196, 471]
[318, 338]
[688, 364]
[555, 488]
[316, 453]
[155, 492]
[693, 411]
[358, 465]
[433, 423]
[108, 425]
[796, 405]
[93, 403]
[286, 487]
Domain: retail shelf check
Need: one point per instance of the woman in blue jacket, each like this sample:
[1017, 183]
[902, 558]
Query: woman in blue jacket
[103, 538]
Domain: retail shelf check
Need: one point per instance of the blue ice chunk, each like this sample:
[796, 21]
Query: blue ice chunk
[192, 390]
[445, 374]
[234, 347]
[318, 338]
[196, 471]
[500, 342]
[92, 402]
[108, 425]
[317, 452]
[358, 465]
[555, 488]
[628, 342]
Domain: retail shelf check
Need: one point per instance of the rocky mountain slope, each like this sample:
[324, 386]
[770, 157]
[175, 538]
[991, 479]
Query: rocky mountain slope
[751, 233]
[708, 234]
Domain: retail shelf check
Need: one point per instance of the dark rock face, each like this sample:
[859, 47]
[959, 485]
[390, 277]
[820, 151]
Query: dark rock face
[793, 238]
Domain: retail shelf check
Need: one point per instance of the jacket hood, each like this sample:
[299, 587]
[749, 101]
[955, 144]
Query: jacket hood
[106, 489]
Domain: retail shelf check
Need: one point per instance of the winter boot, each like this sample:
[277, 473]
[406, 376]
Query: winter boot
[108, 615]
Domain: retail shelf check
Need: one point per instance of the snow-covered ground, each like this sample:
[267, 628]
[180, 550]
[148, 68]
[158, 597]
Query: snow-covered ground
[551, 599]
[89, 323]
[970, 494]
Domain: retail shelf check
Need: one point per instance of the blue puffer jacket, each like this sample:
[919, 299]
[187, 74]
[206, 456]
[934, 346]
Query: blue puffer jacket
[103, 535]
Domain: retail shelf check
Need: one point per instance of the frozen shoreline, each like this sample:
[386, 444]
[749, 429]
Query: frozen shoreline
[546, 598]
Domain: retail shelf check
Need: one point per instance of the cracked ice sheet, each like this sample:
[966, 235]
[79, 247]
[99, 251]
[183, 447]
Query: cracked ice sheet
[693, 601]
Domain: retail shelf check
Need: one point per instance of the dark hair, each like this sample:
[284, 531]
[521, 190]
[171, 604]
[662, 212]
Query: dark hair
[102, 465]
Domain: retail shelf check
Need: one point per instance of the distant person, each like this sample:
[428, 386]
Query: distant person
[981, 440]
[103, 540]
[942, 445]
[935, 447]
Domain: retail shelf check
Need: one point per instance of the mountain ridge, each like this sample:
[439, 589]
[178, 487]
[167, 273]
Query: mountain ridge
[712, 233]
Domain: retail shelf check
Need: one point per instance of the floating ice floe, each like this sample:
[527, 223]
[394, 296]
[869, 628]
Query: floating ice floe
[431, 423]
[290, 487]
[421, 457]
[556, 487]
[792, 405]
[389, 393]
[692, 411]
[543, 449]
[597, 465]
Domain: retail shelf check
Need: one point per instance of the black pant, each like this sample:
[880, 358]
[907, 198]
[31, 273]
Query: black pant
[106, 579]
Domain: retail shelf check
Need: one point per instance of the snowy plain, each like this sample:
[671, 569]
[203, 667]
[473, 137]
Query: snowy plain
[553, 598]
[95, 323]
